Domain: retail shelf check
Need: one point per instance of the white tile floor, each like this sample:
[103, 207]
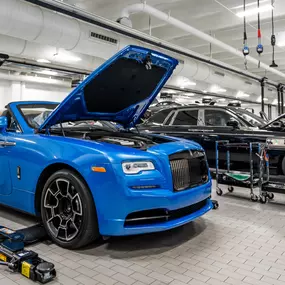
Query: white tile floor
[240, 243]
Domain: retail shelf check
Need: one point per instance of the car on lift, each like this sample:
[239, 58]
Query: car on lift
[71, 164]
[206, 124]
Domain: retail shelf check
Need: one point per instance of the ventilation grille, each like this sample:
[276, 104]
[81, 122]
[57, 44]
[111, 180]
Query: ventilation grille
[219, 73]
[248, 82]
[103, 38]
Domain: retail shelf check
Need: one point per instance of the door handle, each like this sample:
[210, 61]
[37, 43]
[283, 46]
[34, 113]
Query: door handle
[210, 137]
[7, 143]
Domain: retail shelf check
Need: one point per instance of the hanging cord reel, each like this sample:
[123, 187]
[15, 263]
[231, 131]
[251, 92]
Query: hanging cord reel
[259, 47]
[273, 38]
[245, 49]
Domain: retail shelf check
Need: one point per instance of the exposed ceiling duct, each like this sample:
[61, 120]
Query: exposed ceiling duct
[31, 31]
[143, 7]
[22, 48]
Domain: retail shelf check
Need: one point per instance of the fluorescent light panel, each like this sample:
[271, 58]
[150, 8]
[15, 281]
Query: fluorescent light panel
[241, 94]
[259, 99]
[250, 4]
[48, 72]
[254, 11]
[66, 58]
[43, 60]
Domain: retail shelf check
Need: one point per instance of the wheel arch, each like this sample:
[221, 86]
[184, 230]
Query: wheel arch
[46, 173]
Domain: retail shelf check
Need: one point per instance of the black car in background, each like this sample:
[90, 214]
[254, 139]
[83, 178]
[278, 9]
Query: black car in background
[206, 124]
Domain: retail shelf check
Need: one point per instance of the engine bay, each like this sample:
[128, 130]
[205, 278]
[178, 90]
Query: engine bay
[122, 138]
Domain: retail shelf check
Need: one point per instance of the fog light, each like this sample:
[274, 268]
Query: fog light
[144, 187]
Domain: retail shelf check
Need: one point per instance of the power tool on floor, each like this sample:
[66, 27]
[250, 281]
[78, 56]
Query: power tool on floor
[18, 259]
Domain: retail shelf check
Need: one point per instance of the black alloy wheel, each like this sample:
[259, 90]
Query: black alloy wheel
[68, 210]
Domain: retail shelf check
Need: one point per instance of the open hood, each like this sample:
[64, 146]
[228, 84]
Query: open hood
[120, 90]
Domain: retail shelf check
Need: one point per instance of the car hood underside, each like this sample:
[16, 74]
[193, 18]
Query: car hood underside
[120, 90]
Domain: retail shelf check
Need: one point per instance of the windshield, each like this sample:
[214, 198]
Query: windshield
[252, 119]
[36, 114]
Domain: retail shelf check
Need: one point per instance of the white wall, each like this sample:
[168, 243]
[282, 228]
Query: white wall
[46, 93]
[18, 91]
[5, 93]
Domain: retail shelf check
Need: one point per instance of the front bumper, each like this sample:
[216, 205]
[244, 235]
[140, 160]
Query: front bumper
[118, 195]
[152, 200]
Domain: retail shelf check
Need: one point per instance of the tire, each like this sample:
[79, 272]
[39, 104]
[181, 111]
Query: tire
[68, 210]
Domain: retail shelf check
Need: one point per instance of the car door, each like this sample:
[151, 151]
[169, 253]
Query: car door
[185, 124]
[6, 143]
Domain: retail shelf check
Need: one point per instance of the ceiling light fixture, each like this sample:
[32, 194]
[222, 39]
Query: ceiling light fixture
[259, 99]
[241, 94]
[66, 57]
[217, 89]
[249, 4]
[42, 60]
[48, 72]
[254, 11]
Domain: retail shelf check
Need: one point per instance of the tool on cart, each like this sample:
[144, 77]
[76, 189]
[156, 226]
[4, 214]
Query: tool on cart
[18, 259]
[252, 179]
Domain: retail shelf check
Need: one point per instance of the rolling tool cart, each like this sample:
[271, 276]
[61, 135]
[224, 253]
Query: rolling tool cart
[275, 184]
[18, 259]
[252, 179]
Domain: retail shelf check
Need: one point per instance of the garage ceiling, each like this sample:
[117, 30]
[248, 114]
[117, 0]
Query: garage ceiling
[215, 17]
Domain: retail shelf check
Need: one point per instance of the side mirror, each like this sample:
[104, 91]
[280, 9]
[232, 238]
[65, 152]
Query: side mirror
[3, 123]
[233, 124]
[276, 125]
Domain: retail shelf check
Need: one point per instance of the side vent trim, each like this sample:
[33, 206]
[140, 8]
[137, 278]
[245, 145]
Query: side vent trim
[103, 38]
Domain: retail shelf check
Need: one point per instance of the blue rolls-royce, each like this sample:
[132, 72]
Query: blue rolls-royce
[84, 169]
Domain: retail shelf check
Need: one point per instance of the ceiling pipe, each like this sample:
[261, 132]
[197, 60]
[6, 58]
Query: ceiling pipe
[144, 39]
[143, 7]
[45, 32]
[36, 79]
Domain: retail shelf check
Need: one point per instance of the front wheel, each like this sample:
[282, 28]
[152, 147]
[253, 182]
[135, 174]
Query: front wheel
[68, 210]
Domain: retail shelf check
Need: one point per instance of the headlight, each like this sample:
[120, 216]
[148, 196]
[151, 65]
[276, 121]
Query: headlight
[137, 166]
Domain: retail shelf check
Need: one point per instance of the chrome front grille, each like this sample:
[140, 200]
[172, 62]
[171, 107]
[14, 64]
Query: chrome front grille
[189, 169]
[180, 173]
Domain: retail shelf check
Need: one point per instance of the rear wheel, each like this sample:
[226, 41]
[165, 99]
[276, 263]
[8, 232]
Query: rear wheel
[68, 211]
